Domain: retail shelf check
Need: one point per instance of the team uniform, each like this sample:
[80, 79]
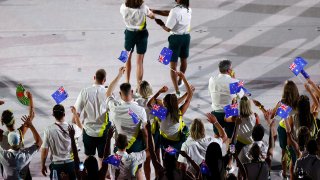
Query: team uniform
[220, 96]
[58, 141]
[92, 102]
[136, 33]
[179, 21]
[124, 124]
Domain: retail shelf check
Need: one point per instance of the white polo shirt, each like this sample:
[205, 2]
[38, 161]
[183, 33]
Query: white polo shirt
[122, 120]
[92, 101]
[14, 161]
[135, 18]
[179, 20]
[220, 91]
[57, 141]
[197, 149]
[128, 163]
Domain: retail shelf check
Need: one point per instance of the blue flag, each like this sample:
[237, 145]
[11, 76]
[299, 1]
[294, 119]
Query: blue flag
[165, 56]
[231, 110]
[204, 168]
[170, 150]
[114, 160]
[123, 56]
[283, 111]
[236, 87]
[297, 65]
[159, 111]
[305, 74]
[60, 95]
[134, 116]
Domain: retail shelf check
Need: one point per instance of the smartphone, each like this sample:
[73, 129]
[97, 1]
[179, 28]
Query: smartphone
[232, 148]
[81, 166]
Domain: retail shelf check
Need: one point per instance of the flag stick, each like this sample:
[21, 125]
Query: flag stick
[300, 79]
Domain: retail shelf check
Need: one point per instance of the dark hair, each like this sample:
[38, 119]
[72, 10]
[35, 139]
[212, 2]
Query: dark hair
[122, 141]
[224, 66]
[171, 103]
[304, 112]
[303, 137]
[231, 176]
[58, 112]
[169, 163]
[312, 147]
[101, 76]
[213, 158]
[257, 132]
[134, 3]
[184, 3]
[125, 89]
[91, 165]
[290, 94]
[7, 117]
[255, 151]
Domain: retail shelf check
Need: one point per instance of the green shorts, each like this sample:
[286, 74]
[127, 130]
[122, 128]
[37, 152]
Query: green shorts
[179, 44]
[228, 126]
[282, 134]
[136, 38]
[138, 145]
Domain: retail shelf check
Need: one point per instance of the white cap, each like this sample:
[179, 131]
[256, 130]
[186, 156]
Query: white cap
[13, 138]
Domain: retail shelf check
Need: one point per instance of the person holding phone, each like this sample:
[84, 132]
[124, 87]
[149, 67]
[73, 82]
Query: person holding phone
[178, 24]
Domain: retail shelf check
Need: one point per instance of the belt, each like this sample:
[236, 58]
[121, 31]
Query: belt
[135, 30]
[62, 162]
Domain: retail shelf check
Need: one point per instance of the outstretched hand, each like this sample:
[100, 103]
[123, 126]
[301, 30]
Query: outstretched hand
[255, 102]
[211, 118]
[122, 70]
[26, 121]
[163, 89]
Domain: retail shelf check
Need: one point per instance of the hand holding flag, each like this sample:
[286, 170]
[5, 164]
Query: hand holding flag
[231, 110]
[298, 67]
[165, 56]
[159, 111]
[60, 95]
[204, 168]
[283, 111]
[170, 150]
[114, 160]
[124, 56]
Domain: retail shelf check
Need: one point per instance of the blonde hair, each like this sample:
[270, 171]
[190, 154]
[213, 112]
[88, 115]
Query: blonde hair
[197, 130]
[245, 107]
[145, 89]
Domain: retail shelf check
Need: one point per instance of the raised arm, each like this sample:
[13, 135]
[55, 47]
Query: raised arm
[271, 143]
[157, 165]
[28, 123]
[193, 164]
[104, 168]
[313, 96]
[259, 105]
[74, 151]
[213, 120]
[114, 83]
[185, 95]
[153, 100]
[160, 12]
[186, 104]
[315, 87]
[75, 117]
[31, 113]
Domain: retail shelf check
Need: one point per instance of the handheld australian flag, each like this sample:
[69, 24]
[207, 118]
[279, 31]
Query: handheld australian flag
[283, 111]
[134, 116]
[165, 56]
[298, 64]
[114, 160]
[170, 150]
[123, 56]
[60, 95]
[231, 110]
[236, 88]
[159, 111]
[204, 168]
